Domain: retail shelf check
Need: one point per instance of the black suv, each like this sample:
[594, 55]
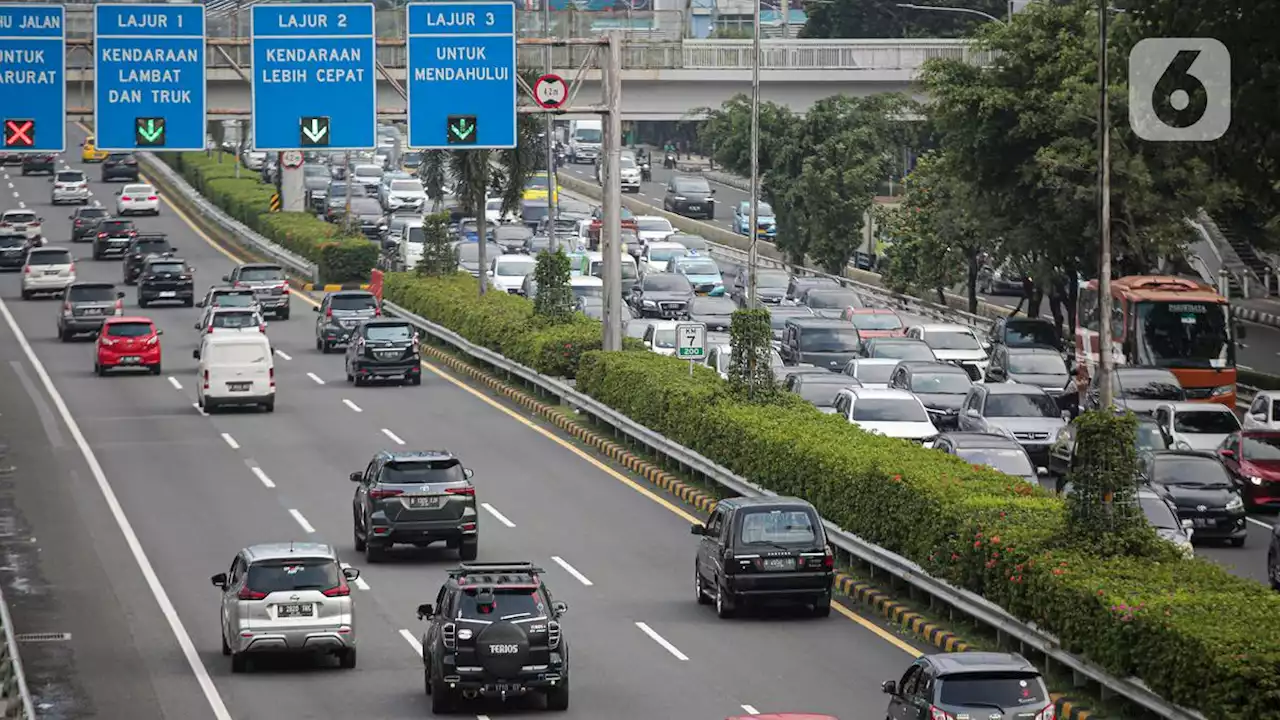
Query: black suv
[690, 196]
[494, 632]
[120, 166]
[39, 163]
[999, 686]
[165, 278]
[13, 250]
[415, 498]
[384, 348]
[763, 549]
[139, 249]
[340, 313]
[84, 221]
[661, 295]
[111, 237]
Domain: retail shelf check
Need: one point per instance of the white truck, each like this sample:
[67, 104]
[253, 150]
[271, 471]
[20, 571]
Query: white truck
[585, 138]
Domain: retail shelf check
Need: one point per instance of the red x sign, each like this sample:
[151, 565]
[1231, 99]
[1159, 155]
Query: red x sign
[19, 133]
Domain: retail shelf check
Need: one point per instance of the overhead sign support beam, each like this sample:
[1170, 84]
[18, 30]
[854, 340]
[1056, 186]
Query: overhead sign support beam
[33, 84]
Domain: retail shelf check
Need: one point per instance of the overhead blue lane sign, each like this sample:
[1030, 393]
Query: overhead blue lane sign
[462, 75]
[33, 83]
[314, 77]
[149, 77]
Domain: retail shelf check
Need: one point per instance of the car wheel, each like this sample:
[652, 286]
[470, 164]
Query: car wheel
[319, 344]
[374, 553]
[269, 406]
[359, 380]
[558, 697]
[226, 649]
[325, 347]
[356, 539]
[99, 370]
[441, 698]
[699, 591]
[189, 302]
[724, 606]
[469, 549]
[1236, 542]
[239, 663]
[822, 606]
[347, 659]
[64, 335]
[155, 369]
[284, 315]
[415, 379]
[26, 294]
[142, 303]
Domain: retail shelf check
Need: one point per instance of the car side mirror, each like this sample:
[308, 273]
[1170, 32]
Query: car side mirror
[1187, 524]
[559, 607]
[1041, 471]
[1260, 417]
[195, 353]
[1066, 415]
[219, 580]
[315, 309]
[973, 413]
[119, 295]
[889, 687]
[50, 180]
[424, 611]
[356, 476]
[226, 278]
[159, 332]
[350, 573]
[199, 304]
[468, 473]
[698, 529]
[1227, 453]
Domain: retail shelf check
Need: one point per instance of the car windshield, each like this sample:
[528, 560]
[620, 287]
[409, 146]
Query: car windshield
[389, 333]
[832, 299]
[690, 242]
[1037, 364]
[235, 319]
[778, 317]
[338, 192]
[71, 177]
[353, 302]
[129, 329]
[1158, 513]
[1150, 437]
[902, 351]
[762, 209]
[508, 604]
[12, 241]
[536, 182]
[1029, 405]
[293, 575]
[626, 163]
[87, 213]
[1209, 421]
[365, 206]
[778, 527]
[821, 390]
[406, 186]
[233, 300]
[1184, 334]
[413, 234]
[699, 267]
[772, 279]
[423, 472]
[586, 291]
[712, 306]
[91, 293]
[368, 171]
[875, 321]
[945, 383]
[174, 268]
[49, 257]
[261, 274]
[1010, 461]
[515, 268]
[874, 373]
[1261, 447]
[654, 225]
[819, 339]
[470, 251]
[1149, 385]
[1031, 333]
[952, 340]
[871, 409]
[992, 690]
[1189, 470]
[666, 283]
[151, 246]
[664, 254]
[19, 217]
[665, 338]
[694, 186]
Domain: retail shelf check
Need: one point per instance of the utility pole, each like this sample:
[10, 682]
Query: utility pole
[752, 249]
[611, 231]
[482, 221]
[349, 176]
[1104, 215]
[552, 183]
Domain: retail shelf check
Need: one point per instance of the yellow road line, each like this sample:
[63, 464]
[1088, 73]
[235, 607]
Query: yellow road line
[646, 492]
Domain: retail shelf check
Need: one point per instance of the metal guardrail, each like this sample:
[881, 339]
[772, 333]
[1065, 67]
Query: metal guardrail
[15, 697]
[298, 265]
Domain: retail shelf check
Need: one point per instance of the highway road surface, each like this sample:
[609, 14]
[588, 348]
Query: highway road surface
[156, 496]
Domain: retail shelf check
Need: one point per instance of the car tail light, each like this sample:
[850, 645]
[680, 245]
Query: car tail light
[448, 635]
[937, 713]
[461, 491]
[329, 312]
[342, 590]
[206, 379]
[66, 307]
[26, 269]
[153, 197]
[384, 494]
[126, 198]
[262, 328]
[119, 308]
[153, 339]
[377, 312]
[71, 268]
[102, 235]
[247, 594]
[210, 330]
[553, 635]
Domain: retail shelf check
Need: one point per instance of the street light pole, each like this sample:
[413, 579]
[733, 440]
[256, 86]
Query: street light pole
[947, 8]
[1104, 215]
[552, 183]
[752, 249]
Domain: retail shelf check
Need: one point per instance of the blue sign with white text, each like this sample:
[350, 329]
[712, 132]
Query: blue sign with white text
[33, 83]
[314, 77]
[149, 77]
[462, 75]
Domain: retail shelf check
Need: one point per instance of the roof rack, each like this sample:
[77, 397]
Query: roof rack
[494, 568]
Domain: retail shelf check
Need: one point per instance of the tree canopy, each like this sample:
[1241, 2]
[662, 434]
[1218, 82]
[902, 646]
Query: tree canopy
[885, 19]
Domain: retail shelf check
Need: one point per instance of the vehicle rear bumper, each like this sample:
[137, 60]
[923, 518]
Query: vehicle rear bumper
[12, 262]
[46, 166]
[107, 249]
[120, 173]
[321, 639]
[337, 335]
[273, 303]
[374, 368]
[38, 283]
[90, 323]
[81, 195]
[384, 531]
[781, 585]
[111, 359]
[182, 293]
[531, 677]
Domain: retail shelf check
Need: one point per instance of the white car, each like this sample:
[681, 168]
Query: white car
[653, 228]
[629, 174]
[22, 222]
[657, 256]
[507, 272]
[137, 199]
[218, 320]
[235, 369]
[370, 176]
[873, 373]
[893, 413]
[47, 271]
[402, 194]
[954, 344]
[493, 212]
[660, 337]
[586, 286]
[412, 243]
[70, 186]
[1264, 411]
[253, 159]
[1196, 425]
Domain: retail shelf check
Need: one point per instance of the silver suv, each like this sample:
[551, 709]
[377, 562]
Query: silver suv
[287, 598]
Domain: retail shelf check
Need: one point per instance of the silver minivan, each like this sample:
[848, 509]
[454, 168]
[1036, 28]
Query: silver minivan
[287, 598]
[48, 271]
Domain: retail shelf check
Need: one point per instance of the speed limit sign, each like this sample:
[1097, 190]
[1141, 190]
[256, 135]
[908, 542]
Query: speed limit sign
[550, 92]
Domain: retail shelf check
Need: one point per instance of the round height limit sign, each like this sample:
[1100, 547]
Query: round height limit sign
[550, 92]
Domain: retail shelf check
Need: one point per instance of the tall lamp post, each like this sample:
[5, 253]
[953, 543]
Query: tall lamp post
[950, 9]
[1105, 359]
[752, 246]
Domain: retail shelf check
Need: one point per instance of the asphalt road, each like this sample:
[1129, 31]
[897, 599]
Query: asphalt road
[197, 488]
[1262, 346]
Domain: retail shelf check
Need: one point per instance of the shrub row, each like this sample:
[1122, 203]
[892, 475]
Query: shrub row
[340, 258]
[1194, 633]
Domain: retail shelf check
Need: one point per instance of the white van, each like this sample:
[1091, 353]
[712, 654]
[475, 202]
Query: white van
[235, 369]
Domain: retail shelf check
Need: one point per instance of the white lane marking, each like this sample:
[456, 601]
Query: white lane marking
[1261, 523]
[358, 582]
[351, 405]
[257, 471]
[572, 570]
[10, 185]
[97, 203]
[284, 355]
[315, 377]
[231, 441]
[174, 382]
[750, 710]
[413, 641]
[306, 526]
[199, 409]
[494, 512]
[167, 609]
[394, 438]
[22, 205]
[653, 635]
[15, 193]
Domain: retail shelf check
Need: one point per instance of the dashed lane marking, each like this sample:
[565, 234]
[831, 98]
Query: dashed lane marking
[394, 438]
[494, 512]
[572, 570]
[262, 476]
[413, 641]
[315, 377]
[231, 441]
[199, 409]
[351, 405]
[283, 355]
[174, 382]
[666, 645]
[306, 526]
[750, 710]
[1261, 523]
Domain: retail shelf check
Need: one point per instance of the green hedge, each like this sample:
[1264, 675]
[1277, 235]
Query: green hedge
[339, 258]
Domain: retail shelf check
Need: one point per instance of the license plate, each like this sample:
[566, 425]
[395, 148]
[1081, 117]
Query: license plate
[130, 360]
[503, 688]
[423, 501]
[50, 272]
[239, 386]
[1203, 522]
[695, 207]
[779, 563]
[94, 311]
[168, 294]
[298, 610]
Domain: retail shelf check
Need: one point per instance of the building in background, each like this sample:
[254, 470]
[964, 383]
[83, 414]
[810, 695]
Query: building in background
[733, 18]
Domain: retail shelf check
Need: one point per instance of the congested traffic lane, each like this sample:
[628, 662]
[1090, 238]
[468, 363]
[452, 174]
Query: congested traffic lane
[637, 555]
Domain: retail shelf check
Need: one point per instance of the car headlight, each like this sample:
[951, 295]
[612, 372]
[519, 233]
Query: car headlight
[1255, 479]
[679, 197]
[649, 304]
[1235, 503]
[1224, 389]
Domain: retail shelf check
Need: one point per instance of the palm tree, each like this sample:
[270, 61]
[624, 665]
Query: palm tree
[472, 172]
[433, 175]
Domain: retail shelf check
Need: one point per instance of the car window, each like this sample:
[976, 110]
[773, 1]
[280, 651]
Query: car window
[870, 409]
[115, 226]
[150, 246]
[389, 333]
[1037, 364]
[1150, 437]
[406, 186]
[91, 293]
[261, 274]
[91, 213]
[235, 319]
[19, 217]
[1189, 470]
[1009, 461]
[829, 300]
[665, 339]
[1206, 421]
[508, 604]
[237, 354]
[875, 321]
[654, 225]
[233, 300]
[1158, 513]
[698, 267]
[1024, 333]
[1005, 690]
[73, 176]
[353, 302]
[1021, 405]
[764, 527]
[666, 254]
[822, 391]
[138, 190]
[292, 575]
[873, 373]
[128, 329]
[944, 383]
[12, 241]
[815, 339]
[166, 267]
[49, 257]
[673, 283]
[1262, 447]
[423, 472]
[515, 268]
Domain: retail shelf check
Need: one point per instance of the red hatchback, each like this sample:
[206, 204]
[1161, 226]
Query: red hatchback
[1253, 458]
[128, 342]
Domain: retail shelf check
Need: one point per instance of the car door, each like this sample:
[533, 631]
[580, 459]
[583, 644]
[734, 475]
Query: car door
[362, 501]
[230, 599]
[708, 560]
[1261, 406]
[1232, 461]
[972, 403]
[1164, 420]
[322, 316]
[900, 707]
[439, 615]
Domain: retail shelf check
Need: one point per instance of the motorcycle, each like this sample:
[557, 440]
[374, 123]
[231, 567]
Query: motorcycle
[646, 175]
[669, 162]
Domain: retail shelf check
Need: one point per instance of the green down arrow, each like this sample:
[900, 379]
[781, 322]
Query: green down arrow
[462, 129]
[150, 131]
